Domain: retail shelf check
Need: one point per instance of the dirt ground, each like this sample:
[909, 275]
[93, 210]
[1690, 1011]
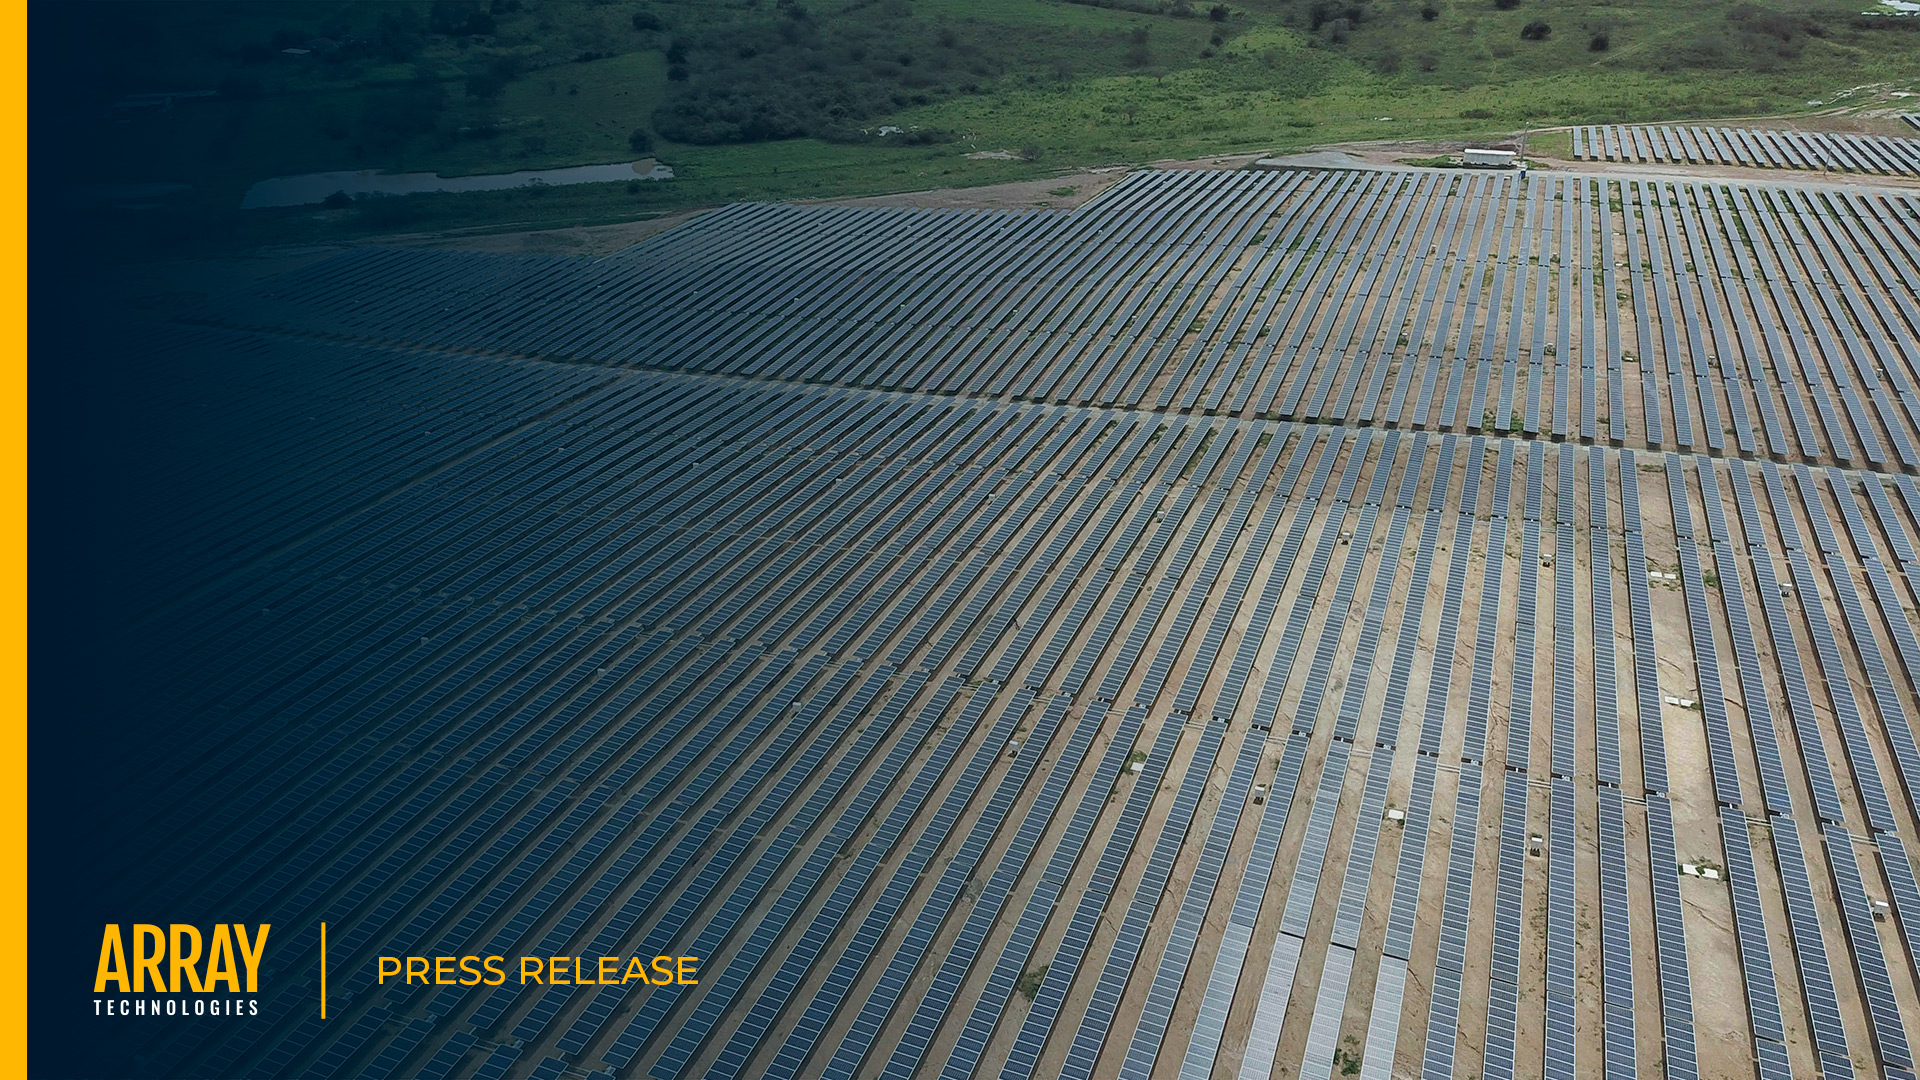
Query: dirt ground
[1723, 1034]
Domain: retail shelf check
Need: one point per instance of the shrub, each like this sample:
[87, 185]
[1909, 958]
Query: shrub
[1219, 12]
[1029, 984]
[1324, 12]
[389, 210]
[458, 17]
[234, 88]
[397, 115]
[647, 22]
[1428, 12]
[1506, 5]
[1537, 30]
[492, 79]
[639, 141]
[1598, 43]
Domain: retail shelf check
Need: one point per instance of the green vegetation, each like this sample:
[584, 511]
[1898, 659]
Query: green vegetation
[788, 99]
[1029, 983]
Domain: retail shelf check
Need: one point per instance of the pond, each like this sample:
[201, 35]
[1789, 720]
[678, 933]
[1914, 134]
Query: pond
[313, 188]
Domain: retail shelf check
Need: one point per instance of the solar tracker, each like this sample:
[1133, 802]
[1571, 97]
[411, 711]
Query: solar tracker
[1670, 937]
[1803, 920]
[661, 640]
[1560, 1060]
[1873, 154]
[1144, 1048]
[1889, 1033]
[1148, 888]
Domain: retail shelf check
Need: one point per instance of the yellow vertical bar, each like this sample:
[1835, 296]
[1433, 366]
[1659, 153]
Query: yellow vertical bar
[323, 971]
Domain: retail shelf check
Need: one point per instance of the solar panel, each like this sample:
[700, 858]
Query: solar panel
[594, 677]
[1676, 995]
[1803, 920]
[1750, 925]
[1560, 982]
[1883, 1011]
[1097, 1021]
[1906, 893]
[1144, 1048]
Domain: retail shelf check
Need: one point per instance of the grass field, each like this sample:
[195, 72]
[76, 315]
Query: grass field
[462, 88]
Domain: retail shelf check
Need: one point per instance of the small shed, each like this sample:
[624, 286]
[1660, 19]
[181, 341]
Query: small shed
[1477, 158]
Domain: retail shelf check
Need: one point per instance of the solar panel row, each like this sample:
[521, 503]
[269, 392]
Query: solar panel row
[1416, 825]
[1087, 307]
[610, 723]
[1278, 987]
[1150, 1031]
[1012, 965]
[1670, 937]
[1450, 963]
[1646, 672]
[1561, 992]
[1786, 650]
[1706, 652]
[1883, 1012]
[1318, 841]
[1752, 147]
[1616, 934]
[1756, 961]
[1097, 1023]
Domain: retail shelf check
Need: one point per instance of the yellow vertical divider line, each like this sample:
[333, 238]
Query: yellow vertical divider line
[323, 971]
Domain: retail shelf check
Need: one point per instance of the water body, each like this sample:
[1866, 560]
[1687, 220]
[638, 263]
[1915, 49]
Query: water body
[314, 188]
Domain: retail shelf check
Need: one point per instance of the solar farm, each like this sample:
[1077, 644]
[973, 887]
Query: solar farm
[1255, 624]
[1751, 147]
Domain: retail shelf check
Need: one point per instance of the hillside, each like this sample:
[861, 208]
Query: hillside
[748, 100]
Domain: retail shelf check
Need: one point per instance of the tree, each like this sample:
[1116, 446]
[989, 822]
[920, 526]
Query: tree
[639, 141]
[234, 88]
[397, 115]
[1537, 30]
[1598, 43]
[455, 18]
[1506, 5]
[489, 81]
[647, 21]
[1219, 12]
